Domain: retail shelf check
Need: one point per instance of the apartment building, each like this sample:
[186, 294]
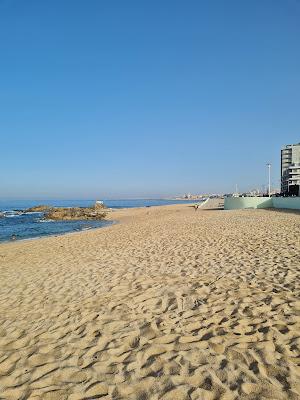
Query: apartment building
[290, 169]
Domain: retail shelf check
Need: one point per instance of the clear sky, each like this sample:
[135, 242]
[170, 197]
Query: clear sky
[115, 99]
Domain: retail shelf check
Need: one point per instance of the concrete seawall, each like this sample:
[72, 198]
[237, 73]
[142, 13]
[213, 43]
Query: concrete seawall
[291, 203]
[234, 203]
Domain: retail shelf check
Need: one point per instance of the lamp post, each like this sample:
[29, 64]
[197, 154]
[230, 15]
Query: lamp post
[269, 168]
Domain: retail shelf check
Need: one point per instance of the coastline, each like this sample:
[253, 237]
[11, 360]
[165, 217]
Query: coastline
[118, 212]
[57, 234]
[17, 225]
[167, 303]
[108, 218]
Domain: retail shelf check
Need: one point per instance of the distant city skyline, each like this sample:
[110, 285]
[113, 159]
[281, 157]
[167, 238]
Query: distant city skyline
[138, 99]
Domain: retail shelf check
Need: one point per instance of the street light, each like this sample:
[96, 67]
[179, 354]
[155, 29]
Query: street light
[269, 168]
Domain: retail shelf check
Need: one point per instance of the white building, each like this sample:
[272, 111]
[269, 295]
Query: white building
[290, 169]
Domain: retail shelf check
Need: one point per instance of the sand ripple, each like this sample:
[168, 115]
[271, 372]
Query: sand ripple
[169, 304]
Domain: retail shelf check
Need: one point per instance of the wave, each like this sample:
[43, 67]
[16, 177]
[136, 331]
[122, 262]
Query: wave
[11, 215]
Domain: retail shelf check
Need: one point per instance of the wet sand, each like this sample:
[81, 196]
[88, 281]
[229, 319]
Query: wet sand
[170, 303]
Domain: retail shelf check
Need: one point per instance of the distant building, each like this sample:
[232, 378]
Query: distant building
[290, 169]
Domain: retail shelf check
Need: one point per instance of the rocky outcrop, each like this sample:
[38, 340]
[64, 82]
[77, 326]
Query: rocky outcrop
[97, 212]
[74, 213]
[39, 208]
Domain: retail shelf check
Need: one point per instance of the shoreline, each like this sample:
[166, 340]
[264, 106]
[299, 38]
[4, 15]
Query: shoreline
[167, 303]
[108, 211]
[56, 234]
[107, 218]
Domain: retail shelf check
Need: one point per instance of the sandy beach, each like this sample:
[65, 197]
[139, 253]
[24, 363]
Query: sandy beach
[169, 303]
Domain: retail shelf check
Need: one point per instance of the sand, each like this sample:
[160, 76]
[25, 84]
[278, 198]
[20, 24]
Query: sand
[170, 303]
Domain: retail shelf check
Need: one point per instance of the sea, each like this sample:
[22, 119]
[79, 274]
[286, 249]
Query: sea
[17, 226]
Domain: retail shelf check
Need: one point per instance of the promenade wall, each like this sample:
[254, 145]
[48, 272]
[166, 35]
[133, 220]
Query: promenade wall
[291, 203]
[236, 203]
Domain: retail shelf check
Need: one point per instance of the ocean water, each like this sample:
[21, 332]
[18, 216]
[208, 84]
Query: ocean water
[31, 225]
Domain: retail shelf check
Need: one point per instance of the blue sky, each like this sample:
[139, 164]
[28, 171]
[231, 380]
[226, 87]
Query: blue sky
[115, 99]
